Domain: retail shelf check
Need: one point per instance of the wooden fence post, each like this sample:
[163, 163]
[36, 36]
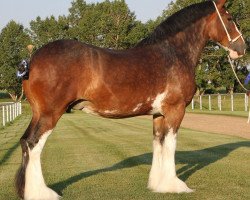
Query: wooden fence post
[10, 112]
[14, 105]
[3, 115]
[19, 104]
[219, 102]
[7, 113]
[16, 109]
[20, 108]
[13, 113]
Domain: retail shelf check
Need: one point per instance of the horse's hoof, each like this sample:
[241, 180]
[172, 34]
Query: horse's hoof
[44, 193]
[172, 185]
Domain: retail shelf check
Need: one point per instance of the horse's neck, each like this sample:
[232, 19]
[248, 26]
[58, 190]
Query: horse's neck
[189, 44]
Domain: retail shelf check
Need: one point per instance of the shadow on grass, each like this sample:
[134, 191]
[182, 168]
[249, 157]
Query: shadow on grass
[193, 161]
[8, 154]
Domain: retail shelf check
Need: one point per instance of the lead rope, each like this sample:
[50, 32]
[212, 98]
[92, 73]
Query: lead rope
[230, 61]
[232, 66]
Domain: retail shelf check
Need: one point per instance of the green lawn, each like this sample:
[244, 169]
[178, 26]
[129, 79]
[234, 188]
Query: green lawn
[89, 157]
[243, 114]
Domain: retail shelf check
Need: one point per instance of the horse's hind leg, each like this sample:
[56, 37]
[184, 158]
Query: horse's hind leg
[29, 179]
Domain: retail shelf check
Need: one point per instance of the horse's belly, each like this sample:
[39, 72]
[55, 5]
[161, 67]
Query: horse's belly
[121, 111]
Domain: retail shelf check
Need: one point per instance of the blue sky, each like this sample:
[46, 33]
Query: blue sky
[23, 11]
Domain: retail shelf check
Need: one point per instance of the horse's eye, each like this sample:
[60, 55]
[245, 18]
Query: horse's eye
[229, 18]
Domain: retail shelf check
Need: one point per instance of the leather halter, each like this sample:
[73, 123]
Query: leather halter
[224, 26]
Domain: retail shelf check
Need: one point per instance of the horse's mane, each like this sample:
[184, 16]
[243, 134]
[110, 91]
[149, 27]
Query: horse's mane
[178, 22]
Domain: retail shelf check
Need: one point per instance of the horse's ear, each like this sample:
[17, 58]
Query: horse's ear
[220, 3]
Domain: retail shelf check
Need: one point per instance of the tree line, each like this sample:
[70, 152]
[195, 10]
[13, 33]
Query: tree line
[111, 24]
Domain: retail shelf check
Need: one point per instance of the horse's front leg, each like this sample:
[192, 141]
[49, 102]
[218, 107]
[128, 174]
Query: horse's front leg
[162, 176]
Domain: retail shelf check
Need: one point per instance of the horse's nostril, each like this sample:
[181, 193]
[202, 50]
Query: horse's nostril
[239, 48]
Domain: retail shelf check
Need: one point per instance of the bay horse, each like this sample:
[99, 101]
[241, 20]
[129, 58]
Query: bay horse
[156, 77]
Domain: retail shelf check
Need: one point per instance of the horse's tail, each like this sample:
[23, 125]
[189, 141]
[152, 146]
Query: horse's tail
[23, 69]
[23, 73]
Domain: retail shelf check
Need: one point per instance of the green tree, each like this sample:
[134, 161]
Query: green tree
[240, 9]
[107, 24]
[48, 30]
[176, 6]
[13, 43]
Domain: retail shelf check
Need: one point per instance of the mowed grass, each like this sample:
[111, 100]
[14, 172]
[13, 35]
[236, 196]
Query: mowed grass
[243, 114]
[89, 157]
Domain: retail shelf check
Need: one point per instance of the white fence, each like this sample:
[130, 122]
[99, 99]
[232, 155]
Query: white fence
[221, 102]
[9, 112]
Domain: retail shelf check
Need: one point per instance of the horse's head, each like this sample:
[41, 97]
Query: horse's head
[222, 29]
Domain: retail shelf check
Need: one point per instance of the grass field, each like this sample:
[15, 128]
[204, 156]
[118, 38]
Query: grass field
[243, 114]
[89, 157]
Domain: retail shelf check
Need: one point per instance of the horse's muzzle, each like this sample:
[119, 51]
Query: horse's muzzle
[237, 50]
